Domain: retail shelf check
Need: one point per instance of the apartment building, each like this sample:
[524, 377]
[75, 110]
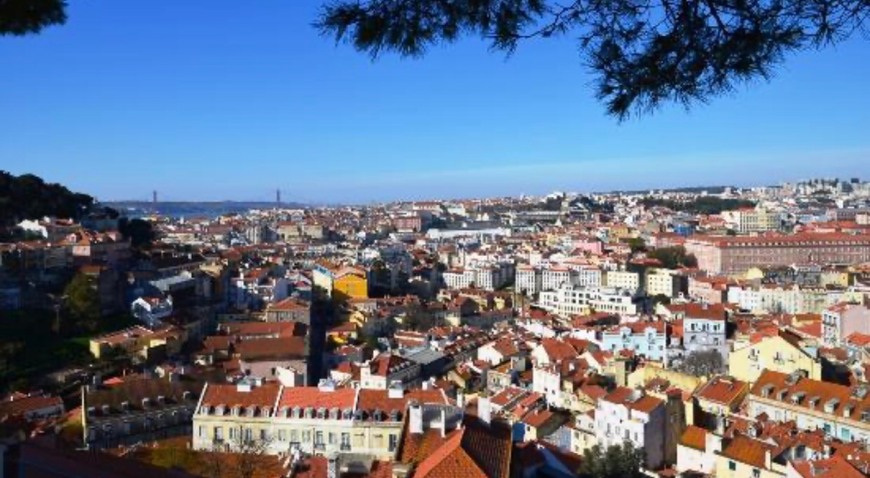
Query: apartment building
[842, 320]
[138, 410]
[648, 339]
[753, 220]
[735, 255]
[573, 300]
[704, 326]
[841, 411]
[320, 420]
[775, 299]
[665, 282]
[623, 280]
[388, 370]
[528, 280]
[629, 415]
[289, 310]
[779, 353]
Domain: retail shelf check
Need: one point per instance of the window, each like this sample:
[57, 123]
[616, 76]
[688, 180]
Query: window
[218, 433]
[345, 441]
[232, 433]
[756, 473]
[201, 431]
[306, 436]
[294, 436]
[262, 434]
[282, 435]
[318, 439]
[331, 438]
[249, 435]
[732, 465]
[394, 442]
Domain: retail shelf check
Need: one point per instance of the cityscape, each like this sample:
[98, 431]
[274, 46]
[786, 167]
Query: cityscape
[699, 332]
[434, 239]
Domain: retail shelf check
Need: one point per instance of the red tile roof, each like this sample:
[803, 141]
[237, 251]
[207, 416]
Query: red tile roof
[229, 395]
[302, 397]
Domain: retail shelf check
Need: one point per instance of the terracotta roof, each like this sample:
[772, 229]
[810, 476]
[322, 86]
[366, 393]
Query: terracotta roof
[773, 385]
[371, 400]
[833, 467]
[724, 390]
[23, 405]
[265, 329]
[262, 349]
[302, 397]
[694, 437]
[229, 396]
[538, 418]
[288, 304]
[746, 450]
[558, 350]
[476, 450]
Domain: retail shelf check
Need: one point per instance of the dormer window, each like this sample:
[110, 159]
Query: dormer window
[321, 413]
[237, 410]
[334, 414]
[347, 414]
[106, 409]
[219, 410]
[309, 412]
[831, 404]
[766, 390]
[297, 412]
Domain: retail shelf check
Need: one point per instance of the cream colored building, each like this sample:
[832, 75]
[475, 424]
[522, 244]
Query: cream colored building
[781, 353]
[316, 420]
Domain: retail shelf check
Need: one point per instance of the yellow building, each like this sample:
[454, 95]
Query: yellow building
[350, 283]
[781, 353]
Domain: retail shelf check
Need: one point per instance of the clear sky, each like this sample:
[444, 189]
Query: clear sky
[231, 100]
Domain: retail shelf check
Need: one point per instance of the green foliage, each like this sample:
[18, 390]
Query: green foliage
[673, 257]
[29, 197]
[140, 232]
[660, 299]
[703, 363]
[618, 461]
[637, 244]
[701, 205]
[83, 302]
[376, 329]
[642, 54]
[20, 17]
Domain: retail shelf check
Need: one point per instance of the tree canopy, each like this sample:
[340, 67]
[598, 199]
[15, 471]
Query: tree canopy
[617, 461]
[641, 53]
[29, 197]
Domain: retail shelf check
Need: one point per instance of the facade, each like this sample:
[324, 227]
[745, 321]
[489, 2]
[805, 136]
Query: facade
[749, 220]
[528, 280]
[138, 410]
[289, 310]
[584, 300]
[623, 280]
[774, 299]
[780, 353]
[736, 255]
[842, 412]
[321, 420]
[387, 370]
[629, 415]
[648, 339]
[843, 320]
[662, 282]
[703, 327]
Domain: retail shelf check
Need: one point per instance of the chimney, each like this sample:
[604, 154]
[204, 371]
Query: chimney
[415, 418]
[443, 422]
[484, 411]
[767, 458]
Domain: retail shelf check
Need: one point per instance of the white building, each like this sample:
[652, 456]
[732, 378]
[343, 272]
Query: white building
[584, 300]
[623, 280]
[628, 415]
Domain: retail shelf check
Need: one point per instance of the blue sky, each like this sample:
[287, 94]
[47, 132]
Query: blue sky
[230, 100]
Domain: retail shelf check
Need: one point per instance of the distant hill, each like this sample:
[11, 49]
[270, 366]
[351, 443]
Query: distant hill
[192, 208]
[29, 197]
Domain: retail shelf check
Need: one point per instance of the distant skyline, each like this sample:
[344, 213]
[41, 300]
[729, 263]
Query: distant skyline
[229, 101]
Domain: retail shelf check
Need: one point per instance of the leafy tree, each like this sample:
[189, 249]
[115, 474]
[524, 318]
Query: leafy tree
[83, 302]
[660, 299]
[703, 363]
[673, 257]
[616, 461]
[642, 54]
[701, 205]
[140, 232]
[636, 244]
[29, 197]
